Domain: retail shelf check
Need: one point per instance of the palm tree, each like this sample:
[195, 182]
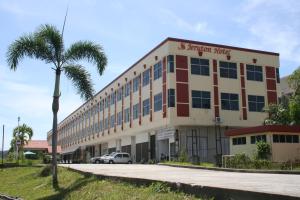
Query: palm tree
[22, 133]
[47, 44]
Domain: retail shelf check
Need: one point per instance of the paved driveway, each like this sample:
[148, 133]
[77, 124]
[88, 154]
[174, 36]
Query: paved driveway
[284, 184]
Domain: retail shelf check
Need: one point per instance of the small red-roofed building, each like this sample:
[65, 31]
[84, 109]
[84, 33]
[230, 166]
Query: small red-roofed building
[284, 141]
[40, 146]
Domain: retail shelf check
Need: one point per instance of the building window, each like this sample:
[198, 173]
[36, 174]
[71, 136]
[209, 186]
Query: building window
[101, 106]
[239, 140]
[277, 75]
[101, 125]
[285, 138]
[170, 60]
[119, 118]
[127, 115]
[254, 73]
[171, 98]
[229, 101]
[105, 123]
[200, 99]
[157, 102]
[146, 107]
[228, 70]
[256, 103]
[112, 98]
[106, 102]
[119, 94]
[135, 111]
[146, 77]
[127, 89]
[136, 84]
[200, 66]
[258, 138]
[112, 121]
[157, 70]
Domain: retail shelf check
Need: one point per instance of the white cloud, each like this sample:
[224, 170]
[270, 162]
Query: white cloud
[272, 26]
[171, 18]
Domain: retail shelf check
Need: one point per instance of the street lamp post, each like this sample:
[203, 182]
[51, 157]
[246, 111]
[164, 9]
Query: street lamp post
[3, 146]
[17, 141]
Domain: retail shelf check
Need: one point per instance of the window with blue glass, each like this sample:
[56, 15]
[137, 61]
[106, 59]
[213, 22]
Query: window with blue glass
[126, 115]
[228, 70]
[127, 89]
[170, 60]
[254, 73]
[171, 98]
[277, 75]
[157, 70]
[200, 66]
[256, 103]
[106, 102]
[229, 101]
[112, 121]
[119, 118]
[157, 102]
[146, 77]
[119, 94]
[200, 99]
[112, 98]
[105, 123]
[146, 107]
[101, 125]
[135, 111]
[136, 84]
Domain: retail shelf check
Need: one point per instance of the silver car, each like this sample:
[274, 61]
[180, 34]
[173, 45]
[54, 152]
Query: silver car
[98, 159]
[119, 157]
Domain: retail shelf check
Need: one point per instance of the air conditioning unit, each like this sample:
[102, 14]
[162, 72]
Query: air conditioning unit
[218, 120]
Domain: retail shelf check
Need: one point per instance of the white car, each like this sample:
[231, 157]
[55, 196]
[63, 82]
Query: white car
[99, 159]
[118, 157]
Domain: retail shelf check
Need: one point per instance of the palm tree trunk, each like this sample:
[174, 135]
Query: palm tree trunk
[55, 107]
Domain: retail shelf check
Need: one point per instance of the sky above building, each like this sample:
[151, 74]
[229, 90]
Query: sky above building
[127, 30]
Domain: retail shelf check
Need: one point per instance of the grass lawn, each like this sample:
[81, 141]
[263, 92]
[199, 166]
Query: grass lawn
[26, 183]
[202, 164]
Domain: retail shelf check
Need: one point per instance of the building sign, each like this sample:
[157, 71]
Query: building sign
[165, 134]
[202, 48]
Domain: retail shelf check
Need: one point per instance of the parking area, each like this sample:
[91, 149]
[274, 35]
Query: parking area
[283, 184]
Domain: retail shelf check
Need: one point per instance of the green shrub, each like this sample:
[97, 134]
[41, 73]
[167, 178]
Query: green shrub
[239, 161]
[262, 164]
[263, 150]
[183, 156]
[160, 187]
[46, 171]
[29, 162]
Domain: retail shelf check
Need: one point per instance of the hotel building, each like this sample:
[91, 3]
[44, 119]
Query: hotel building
[180, 97]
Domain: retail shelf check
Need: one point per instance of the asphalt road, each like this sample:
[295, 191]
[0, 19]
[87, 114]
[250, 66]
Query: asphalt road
[284, 184]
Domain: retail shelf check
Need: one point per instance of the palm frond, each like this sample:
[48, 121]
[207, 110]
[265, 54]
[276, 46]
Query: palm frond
[81, 80]
[87, 50]
[53, 39]
[27, 45]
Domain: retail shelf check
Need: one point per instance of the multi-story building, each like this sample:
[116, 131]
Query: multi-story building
[178, 98]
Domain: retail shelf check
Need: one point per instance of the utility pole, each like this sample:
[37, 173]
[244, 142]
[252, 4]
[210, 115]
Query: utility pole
[3, 146]
[18, 140]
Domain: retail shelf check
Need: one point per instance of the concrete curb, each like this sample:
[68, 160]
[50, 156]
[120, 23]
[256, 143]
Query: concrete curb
[197, 190]
[235, 170]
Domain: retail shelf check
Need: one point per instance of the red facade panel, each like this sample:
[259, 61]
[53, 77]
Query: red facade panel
[183, 110]
[150, 93]
[271, 84]
[181, 62]
[217, 111]
[243, 98]
[272, 97]
[215, 77]
[216, 95]
[140, 100]
[243, 82]
[182, 75]
[270, 72]
[215, 66]
[244, 113]
[242, 69]
[183, 92]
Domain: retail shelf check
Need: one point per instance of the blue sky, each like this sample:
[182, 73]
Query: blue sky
[127, 30]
